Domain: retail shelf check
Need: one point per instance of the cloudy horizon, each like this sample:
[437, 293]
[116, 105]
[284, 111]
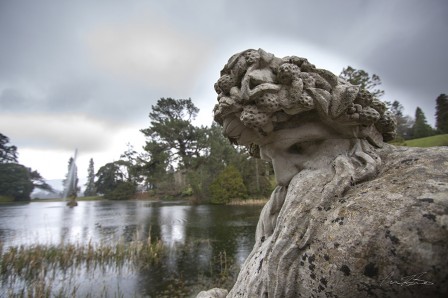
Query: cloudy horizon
[83, 74]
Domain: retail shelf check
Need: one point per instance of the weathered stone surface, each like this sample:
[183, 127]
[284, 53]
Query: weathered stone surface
[351, 216]
[262, 93]
[390, 230]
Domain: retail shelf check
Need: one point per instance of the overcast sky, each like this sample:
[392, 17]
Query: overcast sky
[84, 74]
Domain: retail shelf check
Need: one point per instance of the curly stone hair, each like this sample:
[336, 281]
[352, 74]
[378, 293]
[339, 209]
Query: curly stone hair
[289, 89]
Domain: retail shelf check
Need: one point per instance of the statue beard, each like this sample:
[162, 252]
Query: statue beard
[280, 240]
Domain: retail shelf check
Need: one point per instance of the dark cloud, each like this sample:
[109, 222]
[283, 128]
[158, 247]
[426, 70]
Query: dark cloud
[402, 41]
[412, 52]
[38, 39]
[105, 59]
[111, 60]
[72, 95]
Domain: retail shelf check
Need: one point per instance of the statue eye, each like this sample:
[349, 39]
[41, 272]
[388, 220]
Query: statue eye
[306, 147]
[296, 149]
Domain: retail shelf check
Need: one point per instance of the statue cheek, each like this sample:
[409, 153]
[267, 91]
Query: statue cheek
[286, 166]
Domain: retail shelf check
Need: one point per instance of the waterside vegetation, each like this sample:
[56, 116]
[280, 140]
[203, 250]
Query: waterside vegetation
[184, 161]
[74, 270]
[36, 270]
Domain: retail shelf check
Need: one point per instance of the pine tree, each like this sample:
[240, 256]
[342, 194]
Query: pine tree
[8, 153]
[90, 185]
[361, 78]
[421, 128]
[442, 114]
[404, 122]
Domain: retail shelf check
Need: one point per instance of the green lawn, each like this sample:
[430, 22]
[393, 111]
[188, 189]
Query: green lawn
[438, 140]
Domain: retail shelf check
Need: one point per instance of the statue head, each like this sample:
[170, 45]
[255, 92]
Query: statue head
[296, 115]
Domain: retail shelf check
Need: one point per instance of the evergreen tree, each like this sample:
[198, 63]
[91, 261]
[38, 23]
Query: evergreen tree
[421, 129]
[220, 153]
[90, 185]
[112, 183]
[218, 156]
[8, 153]
[15, 181]
[171, 127]
[154, 163]
[442, 113]
[129, 165]
[228, 186]
[256, 174]
[404, 123]
[108, 177]
[174, 142]
[362, 79]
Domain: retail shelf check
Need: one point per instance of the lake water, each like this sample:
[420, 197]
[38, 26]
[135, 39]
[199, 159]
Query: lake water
[204, 244]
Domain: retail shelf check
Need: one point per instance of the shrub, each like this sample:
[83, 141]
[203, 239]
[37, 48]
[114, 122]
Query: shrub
[6, 199]
[228, 186]
[123, 191]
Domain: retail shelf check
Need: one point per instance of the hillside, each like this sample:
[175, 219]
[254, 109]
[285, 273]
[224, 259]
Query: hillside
[437, 140]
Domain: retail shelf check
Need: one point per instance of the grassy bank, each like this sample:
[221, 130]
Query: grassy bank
[6, 199]
[249, 202]
[433, 141]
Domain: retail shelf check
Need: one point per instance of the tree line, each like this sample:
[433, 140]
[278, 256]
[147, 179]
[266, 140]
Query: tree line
[17, 181]
[180, 159]
[407, 127]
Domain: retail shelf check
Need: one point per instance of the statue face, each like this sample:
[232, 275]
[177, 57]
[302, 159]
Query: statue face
[309, 146]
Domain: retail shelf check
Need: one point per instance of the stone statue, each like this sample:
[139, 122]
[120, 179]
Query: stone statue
[351, 216]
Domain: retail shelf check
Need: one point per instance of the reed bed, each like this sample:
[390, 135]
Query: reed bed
[50, 270]
[248, 202]
[102, 269]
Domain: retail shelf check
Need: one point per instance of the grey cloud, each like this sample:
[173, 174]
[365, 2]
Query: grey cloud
[35, 39]
[44, 48]
[62, 132]
[71, 95]
[59, 90]
[44, 45]
[11, 100]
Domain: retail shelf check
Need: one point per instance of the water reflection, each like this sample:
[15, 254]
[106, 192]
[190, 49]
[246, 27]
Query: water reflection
[201, 241]
[172, 224]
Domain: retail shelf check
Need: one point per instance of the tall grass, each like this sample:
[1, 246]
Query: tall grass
[97, 269]
[36, 270]
[248, 202]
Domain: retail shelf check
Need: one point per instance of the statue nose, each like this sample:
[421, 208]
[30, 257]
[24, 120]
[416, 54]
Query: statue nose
[285, 169]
